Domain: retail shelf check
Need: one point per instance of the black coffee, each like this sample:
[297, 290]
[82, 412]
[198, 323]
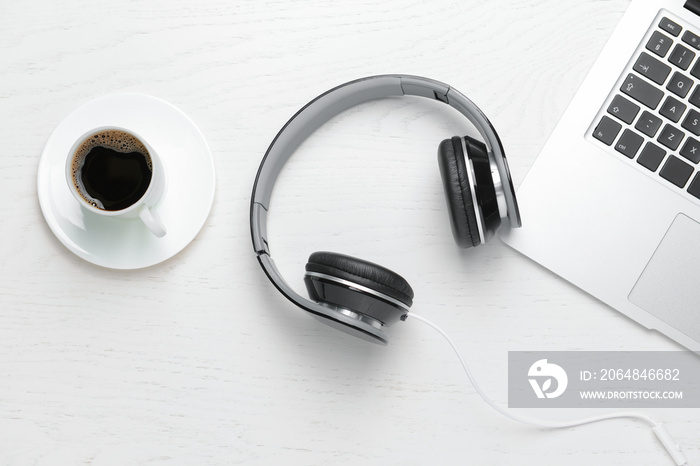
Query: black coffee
[112, 170]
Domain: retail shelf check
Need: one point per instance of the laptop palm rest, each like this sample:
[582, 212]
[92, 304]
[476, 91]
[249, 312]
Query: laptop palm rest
[668, 287]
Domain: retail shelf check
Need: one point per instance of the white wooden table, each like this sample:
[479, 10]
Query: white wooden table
[198, 360]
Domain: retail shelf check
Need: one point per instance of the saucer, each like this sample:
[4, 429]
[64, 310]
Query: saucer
[184, 207]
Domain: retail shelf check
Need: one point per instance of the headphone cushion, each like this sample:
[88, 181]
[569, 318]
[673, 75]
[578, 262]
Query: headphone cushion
[460, 203]
[361, 272]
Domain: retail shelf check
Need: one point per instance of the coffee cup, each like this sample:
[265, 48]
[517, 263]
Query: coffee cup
[114, 172]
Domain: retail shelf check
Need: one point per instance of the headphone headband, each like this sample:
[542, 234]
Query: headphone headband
[324, 107]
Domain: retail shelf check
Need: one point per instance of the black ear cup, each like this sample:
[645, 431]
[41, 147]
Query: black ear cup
[353, 285]
[457, 186]
[469, 189]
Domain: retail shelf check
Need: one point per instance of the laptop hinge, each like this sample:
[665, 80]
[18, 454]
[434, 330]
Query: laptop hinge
[693, 5]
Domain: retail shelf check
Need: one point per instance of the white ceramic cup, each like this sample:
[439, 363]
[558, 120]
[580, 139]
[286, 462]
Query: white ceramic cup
[144, 207]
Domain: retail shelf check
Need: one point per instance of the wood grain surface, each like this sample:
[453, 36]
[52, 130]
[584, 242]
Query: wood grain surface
[198, 360]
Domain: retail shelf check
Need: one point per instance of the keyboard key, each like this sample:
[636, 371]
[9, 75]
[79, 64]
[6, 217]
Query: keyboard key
[629, 143]
[648, 124]
[691, 150]
[671, 137]
[694, 187]
[669, 26]
[679, 84]
[660, 43]
[676, 171]
[691, 39]
[607, 130]
[695, 96]
[695, 70]
[624, 109]
[651, 156]
[641, 91]
[692, 122]
[672, 109]
[652, 68]
[681, 57]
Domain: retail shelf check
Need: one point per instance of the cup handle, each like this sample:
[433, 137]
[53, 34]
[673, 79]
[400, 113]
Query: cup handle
[150, 218]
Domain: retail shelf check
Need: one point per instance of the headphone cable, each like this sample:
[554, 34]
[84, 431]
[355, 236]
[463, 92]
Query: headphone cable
[658, 428]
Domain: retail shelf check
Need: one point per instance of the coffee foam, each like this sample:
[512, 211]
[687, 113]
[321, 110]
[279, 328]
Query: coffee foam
[114, 139]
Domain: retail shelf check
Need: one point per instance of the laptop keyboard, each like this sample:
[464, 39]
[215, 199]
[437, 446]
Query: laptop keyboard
[653, 118]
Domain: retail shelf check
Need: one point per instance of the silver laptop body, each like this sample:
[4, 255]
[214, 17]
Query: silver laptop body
[612, 204]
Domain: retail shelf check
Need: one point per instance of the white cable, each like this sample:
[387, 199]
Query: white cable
[659, 429]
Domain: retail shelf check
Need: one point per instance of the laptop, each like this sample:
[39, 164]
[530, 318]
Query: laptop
[612, 204]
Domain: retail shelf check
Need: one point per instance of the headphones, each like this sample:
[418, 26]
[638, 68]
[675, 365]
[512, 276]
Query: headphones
[362, 298]
[355, 295]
